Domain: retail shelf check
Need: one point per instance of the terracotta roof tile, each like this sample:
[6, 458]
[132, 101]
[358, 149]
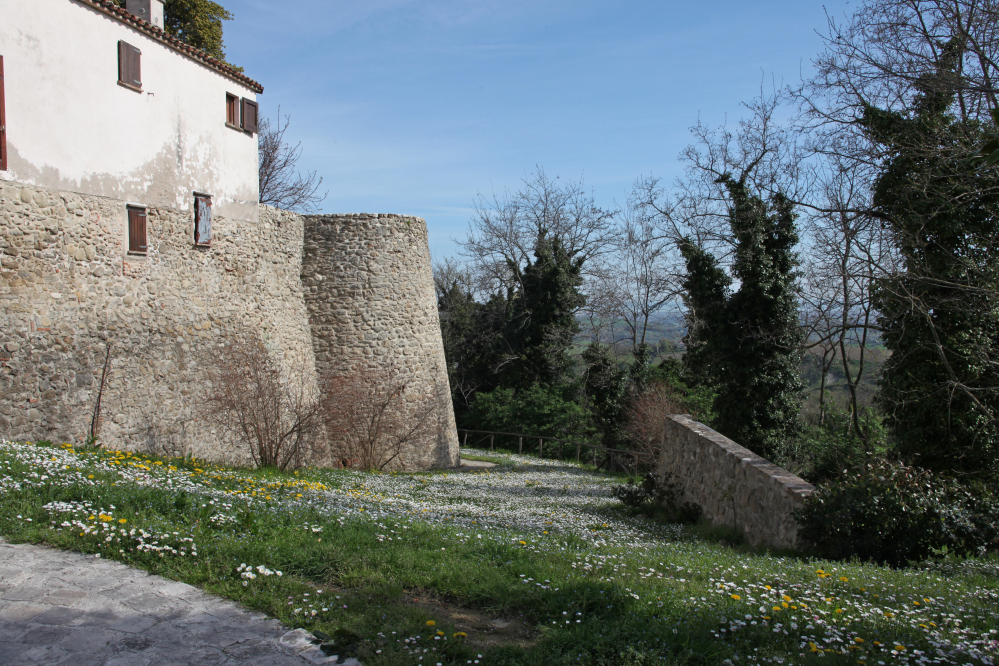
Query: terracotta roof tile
[158, 34]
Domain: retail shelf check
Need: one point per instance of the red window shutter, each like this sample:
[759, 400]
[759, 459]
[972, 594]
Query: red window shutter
[136, 230]
[3, 124]
[249, 115]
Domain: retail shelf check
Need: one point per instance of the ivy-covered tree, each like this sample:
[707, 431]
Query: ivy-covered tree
[705, 288]
[940, 312]
[542, 321]
[747, 342]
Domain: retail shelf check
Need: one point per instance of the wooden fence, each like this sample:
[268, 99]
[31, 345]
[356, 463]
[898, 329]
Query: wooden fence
[602, 457]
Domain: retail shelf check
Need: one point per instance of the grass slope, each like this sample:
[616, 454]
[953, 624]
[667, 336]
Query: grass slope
[531, 561]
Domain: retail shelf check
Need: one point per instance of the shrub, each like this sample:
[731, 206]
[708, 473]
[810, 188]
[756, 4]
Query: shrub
[822, 452]
[892, 514]
[647, 420]
[541, 411]
[653, 496]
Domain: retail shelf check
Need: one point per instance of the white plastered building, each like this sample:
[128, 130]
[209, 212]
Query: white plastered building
[98, 99]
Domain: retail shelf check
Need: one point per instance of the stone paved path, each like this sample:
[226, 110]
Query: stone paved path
[61, 607]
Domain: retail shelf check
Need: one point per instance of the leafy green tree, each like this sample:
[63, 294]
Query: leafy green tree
[606, 388]
[747, 342]
[940, 312]
[471, 335]
[197, 22]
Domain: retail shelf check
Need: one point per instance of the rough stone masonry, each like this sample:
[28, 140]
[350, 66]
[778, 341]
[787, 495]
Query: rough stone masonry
[354, 288]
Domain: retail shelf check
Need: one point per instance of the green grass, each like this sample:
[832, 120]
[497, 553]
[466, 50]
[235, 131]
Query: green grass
[383, 555]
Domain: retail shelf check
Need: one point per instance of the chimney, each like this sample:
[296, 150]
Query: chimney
[148, 10]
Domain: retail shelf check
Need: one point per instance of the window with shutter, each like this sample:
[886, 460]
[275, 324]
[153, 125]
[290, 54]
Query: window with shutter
[129, 66]
[136, 230]
[3, 124]
[232, 111]
[249, 116]
[202, 219]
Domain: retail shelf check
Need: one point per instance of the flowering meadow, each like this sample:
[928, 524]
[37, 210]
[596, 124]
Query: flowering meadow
[347, 554]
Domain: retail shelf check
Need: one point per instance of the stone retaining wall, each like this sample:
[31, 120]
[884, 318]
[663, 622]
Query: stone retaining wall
[731, 484]
[68, 286]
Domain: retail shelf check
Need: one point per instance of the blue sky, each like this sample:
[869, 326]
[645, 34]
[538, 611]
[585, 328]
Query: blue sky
[416, 106]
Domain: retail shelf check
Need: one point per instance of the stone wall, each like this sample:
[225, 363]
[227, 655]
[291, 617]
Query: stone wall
[68, 287]
[734, 486]
[372, 307]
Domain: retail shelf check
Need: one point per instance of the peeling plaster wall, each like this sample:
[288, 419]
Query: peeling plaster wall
[71, 127]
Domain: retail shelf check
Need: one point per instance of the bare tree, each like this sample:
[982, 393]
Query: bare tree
[372, 420]
[505, 230]
[275, 417]
[281, 184]
[640, 280]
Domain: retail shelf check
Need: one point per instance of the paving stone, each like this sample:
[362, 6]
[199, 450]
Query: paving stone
[20, 612]
[9, 652]
[58, 616]
[64, 597]
[74, 610]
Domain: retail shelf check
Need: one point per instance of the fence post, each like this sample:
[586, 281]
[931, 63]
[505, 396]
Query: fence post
[541, 447]
[520, 444]
[578, 446]
[491, 442]
[465, 443]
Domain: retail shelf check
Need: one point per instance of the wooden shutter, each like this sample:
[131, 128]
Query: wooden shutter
[129, 65]
[249, 115]
[202, 220]
[136, 230]
[231, 110]
[3, 124]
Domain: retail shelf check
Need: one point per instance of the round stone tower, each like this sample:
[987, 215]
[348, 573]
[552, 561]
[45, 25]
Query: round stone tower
[372, 307]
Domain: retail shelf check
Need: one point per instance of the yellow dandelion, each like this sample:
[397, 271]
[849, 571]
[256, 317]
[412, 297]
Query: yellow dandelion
[440, 633]
[122, 521]
[786, 598]
[522, 543]
[459, 634]
[736, 597]
[431, 623]
[844, 578]
[900, 648]
[859, 640]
